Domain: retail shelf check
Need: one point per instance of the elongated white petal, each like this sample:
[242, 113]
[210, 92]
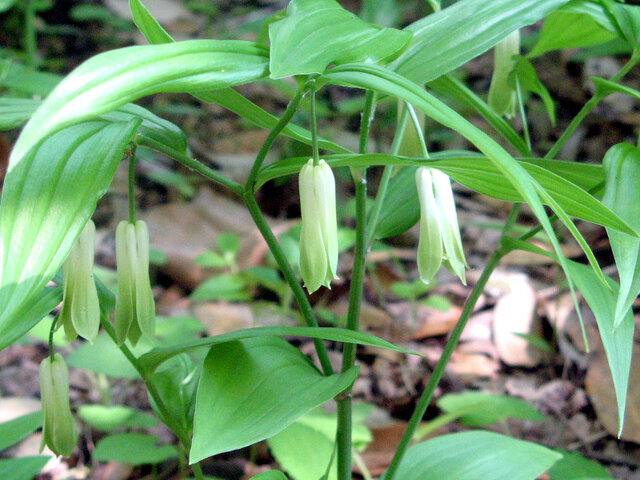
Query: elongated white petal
[454, 252]
[125, 301]
[318, 237]
[430, 242]
[59, 430]
[145, 304]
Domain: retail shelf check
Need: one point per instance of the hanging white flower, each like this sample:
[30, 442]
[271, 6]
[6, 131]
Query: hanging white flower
[502, 96]
[319, 234]
[439, 231]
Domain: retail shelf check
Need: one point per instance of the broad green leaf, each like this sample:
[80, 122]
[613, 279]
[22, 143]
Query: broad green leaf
[155, 357]
[16, 111]
[114, 78]
[568, 29]
[592, 8]
[133, 448]
[477, 409]
[6, 5]
[622, 172]
[480, 174]
[529, 81]
[618, 342]
[476, 456]
[231, 287]
[46, 200]
[13, 431]
[401, 208]
[447, 39]
[111, 417]
[574, 466]
[606, 87]
[385, 81]
[316, 33]
[454, 88]
[91, 357]
[25, 79]
[24, 468]
[305, 448]
[270, 475]
[626, 20]
[254, 388]
[148, 25]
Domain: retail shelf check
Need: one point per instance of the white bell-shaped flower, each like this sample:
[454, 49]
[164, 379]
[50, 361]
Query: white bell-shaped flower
[59, 430]
[502, 96]
[439, 231]
[135, 307]
[319, 234]
[80, 312]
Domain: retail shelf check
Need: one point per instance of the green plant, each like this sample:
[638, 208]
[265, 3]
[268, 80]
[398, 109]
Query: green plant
[256, 382]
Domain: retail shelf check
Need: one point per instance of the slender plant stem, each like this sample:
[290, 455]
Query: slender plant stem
[132, 185]
[51, 332]
[523, 116]
[189, 162]
[438, 371]
[271, 138]
[314, 126]
[30, 34]
[289, 275]
[588, 107]
[197, 471]
[344, 447]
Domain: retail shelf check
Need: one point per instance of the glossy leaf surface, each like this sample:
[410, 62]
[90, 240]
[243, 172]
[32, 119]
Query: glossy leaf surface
[252, 389]
[316, 33]
[47, 199]
[476, 456]
[445, 40]
[13, 431]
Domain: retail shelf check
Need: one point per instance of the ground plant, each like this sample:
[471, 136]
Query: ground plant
[227, 392]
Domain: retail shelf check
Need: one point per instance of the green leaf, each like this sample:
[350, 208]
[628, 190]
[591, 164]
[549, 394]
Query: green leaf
[15, 430]
[112, 417]
[24, 468]
[618, 342]
[454, 88]
[305, 447]
[270, 475]
[476, 456]
[91, 357]
[16, 111]
[231, 287]
[387, 82]
[6, 5]
[568, 29]
[114, 78]
[529, 81]
[478, 173]
[477, 409]
[594, 9]
[255, 388]
[445, 40]
[622, 172]
[152, 359]
[606, 87]
[46, 200]
[148, 25]
[316, 33]
[626, 20]
[25, 79]
[574, 466]
[133, 448]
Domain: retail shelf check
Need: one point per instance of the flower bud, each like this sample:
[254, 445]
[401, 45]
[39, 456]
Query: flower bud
[502, 96]
[439, 232]
[59, 430]
[135, 307]
[80, 312]
[319, 234]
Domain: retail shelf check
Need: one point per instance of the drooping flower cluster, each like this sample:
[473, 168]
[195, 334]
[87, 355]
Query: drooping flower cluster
[59, 430]
[439, 232]
[135, 308]
[80, 313]
[319, 235]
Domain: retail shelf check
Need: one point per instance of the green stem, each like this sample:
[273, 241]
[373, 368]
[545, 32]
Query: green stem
[132, 185]
[30, 34]
[271, 138]
[289, 275]
[189, 162]
[344, 447]
[51, 332]
[588, 107]
[438, 371]
[523, 116]
[314, 126]
[197, 471]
